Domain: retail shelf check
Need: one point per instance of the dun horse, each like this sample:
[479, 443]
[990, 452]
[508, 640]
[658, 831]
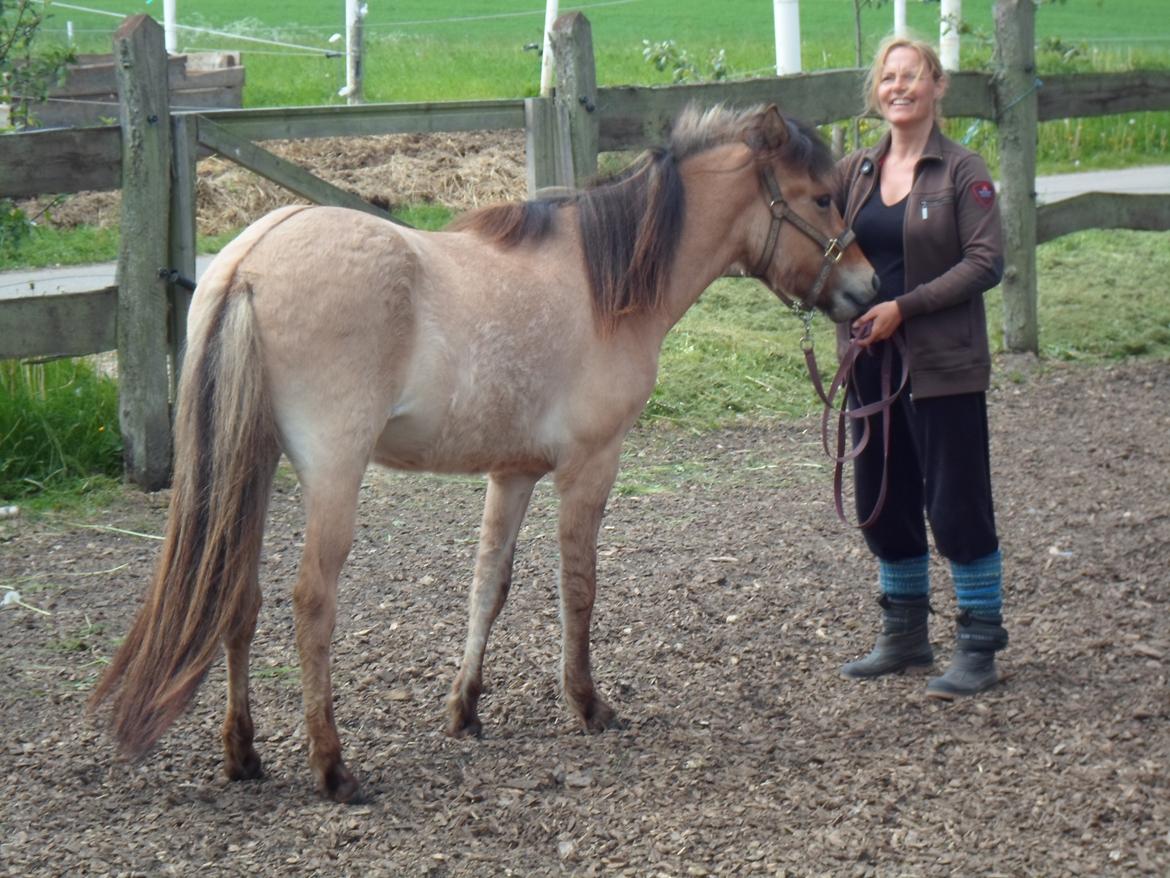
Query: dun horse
[522, 342]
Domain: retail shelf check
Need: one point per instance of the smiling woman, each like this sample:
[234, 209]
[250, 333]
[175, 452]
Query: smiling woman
[925, 214]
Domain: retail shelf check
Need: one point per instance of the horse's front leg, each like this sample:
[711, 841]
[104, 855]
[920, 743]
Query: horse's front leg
[504, 507]
[583, 490]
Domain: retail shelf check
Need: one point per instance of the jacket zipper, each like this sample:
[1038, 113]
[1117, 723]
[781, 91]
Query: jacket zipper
[926, 203]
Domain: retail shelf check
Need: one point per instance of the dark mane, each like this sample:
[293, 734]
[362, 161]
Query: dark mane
[631, 222]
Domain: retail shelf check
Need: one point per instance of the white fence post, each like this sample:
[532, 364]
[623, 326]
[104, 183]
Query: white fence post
[900, 18]
[355, 11]
[950, 17]
[546, 54]
[170, 35]
[786, 14]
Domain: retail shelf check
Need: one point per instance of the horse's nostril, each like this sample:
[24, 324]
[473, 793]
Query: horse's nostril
[876, 283]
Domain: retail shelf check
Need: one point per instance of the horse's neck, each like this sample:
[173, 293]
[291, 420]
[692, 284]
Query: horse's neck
[719, 191]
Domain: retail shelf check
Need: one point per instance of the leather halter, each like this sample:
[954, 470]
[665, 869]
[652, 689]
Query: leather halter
[834, 248]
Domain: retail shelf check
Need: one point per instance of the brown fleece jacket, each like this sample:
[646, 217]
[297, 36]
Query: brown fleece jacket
[953, 243]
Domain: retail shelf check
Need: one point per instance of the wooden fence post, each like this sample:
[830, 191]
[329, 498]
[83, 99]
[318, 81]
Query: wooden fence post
[183, 233]
[144, 383]
[1015, 86]
[548, 161]
[576, 95]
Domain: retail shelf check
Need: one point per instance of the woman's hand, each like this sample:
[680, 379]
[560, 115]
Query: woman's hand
[883, 318]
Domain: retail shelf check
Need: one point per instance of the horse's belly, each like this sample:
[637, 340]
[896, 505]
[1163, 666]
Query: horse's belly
[462, 442]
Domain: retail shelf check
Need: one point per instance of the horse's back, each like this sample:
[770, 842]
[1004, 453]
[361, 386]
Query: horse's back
[422, 350]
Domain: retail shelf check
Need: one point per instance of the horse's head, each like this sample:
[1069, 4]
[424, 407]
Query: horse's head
[805, 253]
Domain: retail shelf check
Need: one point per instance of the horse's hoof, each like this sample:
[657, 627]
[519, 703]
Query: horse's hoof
[340, 785]
[599, 717]
[246, 766]
[462, 727]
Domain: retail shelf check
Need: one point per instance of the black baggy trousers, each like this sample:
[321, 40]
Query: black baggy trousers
[939, 471]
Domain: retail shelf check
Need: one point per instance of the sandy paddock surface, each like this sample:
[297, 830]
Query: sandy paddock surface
[729, 595]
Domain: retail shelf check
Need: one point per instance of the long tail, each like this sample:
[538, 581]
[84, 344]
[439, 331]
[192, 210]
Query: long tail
[207, 576]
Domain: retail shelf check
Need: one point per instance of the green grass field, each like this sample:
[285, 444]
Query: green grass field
[464, 49]
[422, 50]
[1099, 22]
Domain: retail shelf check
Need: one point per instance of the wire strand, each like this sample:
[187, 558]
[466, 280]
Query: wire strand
[493, 16]
[381, 26]
[200, 30]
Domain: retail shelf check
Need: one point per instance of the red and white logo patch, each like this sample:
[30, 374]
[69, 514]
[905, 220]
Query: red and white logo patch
[984, 192]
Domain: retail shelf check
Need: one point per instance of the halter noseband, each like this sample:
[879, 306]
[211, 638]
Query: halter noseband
[834, 247]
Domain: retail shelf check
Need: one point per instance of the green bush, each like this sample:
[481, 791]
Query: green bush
[58, 427]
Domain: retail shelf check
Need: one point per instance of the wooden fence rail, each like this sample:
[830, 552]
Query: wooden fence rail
[88, 92]
[1102, 210]
[60, 161]
[151, 156]
[61, 325]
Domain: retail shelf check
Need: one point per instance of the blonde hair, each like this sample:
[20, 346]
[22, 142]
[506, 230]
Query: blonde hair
[931, 66]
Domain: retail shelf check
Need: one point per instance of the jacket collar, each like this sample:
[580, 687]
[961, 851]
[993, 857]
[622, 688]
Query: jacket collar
[932, 150]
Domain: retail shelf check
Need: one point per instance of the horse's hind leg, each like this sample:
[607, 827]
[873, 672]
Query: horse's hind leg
[504, 508]
[240, 761]
[331, 506]
[584, 488]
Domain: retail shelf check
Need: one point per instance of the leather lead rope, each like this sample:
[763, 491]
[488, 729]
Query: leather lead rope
[834, 249]
[837, 398]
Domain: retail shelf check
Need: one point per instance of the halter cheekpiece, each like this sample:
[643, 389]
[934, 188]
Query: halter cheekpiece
[834, 247]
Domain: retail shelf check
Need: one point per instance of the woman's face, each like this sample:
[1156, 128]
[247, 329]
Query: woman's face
[907, 93]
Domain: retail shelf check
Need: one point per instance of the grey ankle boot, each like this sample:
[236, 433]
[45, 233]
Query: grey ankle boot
[972, 670]
[904, 643]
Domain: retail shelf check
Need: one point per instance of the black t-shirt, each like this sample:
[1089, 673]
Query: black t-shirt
[879, 234]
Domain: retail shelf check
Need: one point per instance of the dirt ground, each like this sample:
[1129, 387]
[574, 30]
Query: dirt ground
[729, 596]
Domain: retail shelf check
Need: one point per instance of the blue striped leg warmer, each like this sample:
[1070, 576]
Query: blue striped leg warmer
[978, 585]
[905, 579]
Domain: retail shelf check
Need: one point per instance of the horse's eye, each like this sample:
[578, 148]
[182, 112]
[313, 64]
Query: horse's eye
[823, 201]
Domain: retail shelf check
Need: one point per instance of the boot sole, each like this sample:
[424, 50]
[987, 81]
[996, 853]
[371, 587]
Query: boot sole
[915, 670]
[943, 695]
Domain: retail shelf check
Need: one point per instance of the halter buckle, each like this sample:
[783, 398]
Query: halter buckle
[834, 251]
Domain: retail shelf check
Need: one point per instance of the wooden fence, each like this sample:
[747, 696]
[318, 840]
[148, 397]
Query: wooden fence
[88, 95]
[151, 156]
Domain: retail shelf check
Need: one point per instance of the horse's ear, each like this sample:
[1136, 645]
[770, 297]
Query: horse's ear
[770, 132]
